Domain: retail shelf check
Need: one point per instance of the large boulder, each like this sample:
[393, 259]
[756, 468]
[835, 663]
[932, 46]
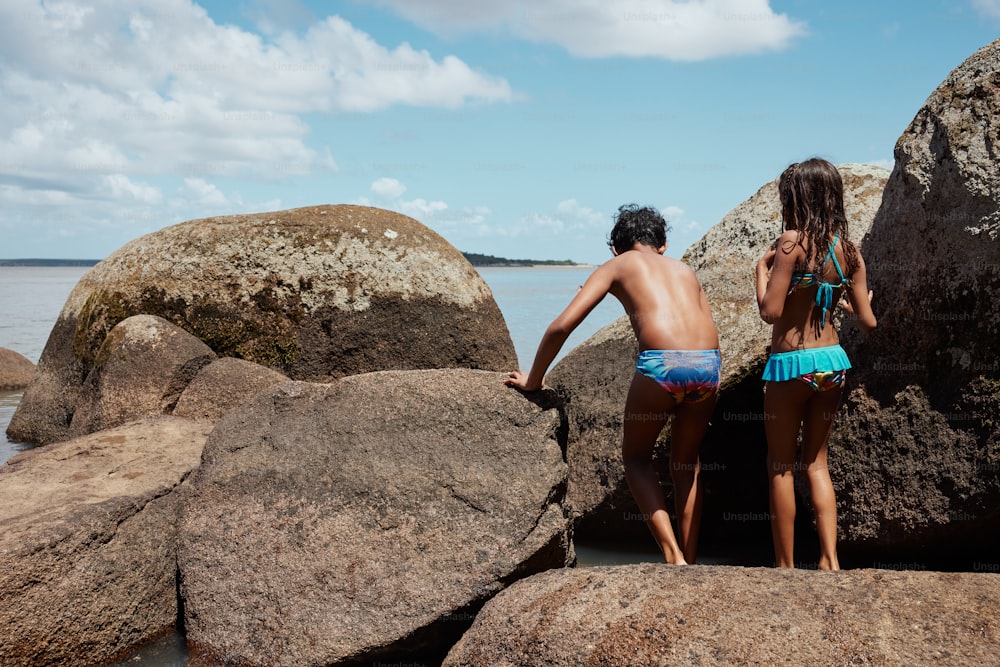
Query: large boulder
[654, 614]
[222, 386]
[140, 370]
[315, 293]
[16, 370]
[88, 548]
[367, 519]
[593, 379]
[915, 460]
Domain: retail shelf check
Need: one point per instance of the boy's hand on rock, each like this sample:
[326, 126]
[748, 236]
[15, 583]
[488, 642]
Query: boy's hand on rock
[519, 380]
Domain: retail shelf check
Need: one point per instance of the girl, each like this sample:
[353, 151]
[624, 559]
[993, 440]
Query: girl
[812, 265]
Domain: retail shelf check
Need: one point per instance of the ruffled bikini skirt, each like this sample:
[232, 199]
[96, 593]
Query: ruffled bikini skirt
[783, 366]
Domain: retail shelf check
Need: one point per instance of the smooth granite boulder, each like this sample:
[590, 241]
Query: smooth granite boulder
[652, 614]
[315, 293]
[140, 370]
[222, 386]
[368, 519]
[88, 559]
[16, 370]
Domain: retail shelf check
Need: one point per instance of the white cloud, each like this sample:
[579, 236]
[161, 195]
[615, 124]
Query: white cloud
[203, 192]
[685, 30]
[120, 186]
[388, 187]
[101, 98]
[989, 8]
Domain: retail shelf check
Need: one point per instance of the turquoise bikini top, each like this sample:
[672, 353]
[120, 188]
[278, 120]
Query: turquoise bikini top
[824, 290]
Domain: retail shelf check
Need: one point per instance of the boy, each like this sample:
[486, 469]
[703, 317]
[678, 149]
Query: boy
[677, 371]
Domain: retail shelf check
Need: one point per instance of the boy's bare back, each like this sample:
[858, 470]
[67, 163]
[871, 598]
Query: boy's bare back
[664, 301]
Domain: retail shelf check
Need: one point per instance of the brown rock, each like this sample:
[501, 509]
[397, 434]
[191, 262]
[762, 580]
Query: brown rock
[316, 293]
[367, 519]
[915, 458]
[141, 369]
[650, 614]
[16, 370]
[87, 551]
[223, 385]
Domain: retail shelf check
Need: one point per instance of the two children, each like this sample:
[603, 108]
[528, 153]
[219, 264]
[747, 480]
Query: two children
[799, 280]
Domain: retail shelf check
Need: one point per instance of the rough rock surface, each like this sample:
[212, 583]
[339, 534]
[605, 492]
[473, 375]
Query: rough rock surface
[16, 370]
[88, 547]
[316, 293]
[140, 370]
[650, 614]
[367, 519]
[920, 445]
[593, 378]
[223, 385]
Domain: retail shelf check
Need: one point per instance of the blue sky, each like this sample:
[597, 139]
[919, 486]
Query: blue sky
[511, 128]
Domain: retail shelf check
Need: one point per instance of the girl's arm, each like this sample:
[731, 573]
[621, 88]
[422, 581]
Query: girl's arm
[591, 294]
[772, 290]
[859, 298]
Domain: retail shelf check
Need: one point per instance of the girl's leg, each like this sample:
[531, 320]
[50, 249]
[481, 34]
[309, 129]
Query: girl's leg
[815, 436]
[686, 433]
[784, 409]
[647, 409]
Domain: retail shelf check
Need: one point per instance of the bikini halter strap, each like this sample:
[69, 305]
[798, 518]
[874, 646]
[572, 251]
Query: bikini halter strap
[824, 290]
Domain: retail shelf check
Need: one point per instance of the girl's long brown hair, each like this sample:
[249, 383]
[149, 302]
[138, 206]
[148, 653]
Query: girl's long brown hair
[812, 202]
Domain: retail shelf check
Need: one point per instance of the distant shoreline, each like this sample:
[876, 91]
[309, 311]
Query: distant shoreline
[48, 262]
[488, 261]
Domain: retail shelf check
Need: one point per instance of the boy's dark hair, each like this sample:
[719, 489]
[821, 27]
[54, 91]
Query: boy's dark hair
[635, 224]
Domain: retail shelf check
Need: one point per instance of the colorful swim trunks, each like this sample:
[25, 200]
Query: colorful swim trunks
[689, 376]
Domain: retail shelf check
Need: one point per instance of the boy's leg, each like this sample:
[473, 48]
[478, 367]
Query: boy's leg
[647, 409]
[784, 405]
[820, 413]
[686, 433]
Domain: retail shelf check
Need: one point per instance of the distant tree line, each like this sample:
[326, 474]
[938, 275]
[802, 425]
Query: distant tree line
[489, 260]
[48, 262]
[474, 258]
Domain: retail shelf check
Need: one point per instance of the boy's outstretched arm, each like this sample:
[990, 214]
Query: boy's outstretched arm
[591, 294]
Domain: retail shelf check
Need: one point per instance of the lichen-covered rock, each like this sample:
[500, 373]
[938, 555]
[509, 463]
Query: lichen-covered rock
[369, 518]
[642, 615]
[16, 370]
[140, 370]
[222, 386]
[593, 379]
[88, 557]
[315, 293]
[915, 459]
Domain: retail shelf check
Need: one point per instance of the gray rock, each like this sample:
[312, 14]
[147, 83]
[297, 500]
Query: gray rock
[16, 370]
[88, 547]
[316, 293]
[140, 370]
[915, 460]
[593, 379]
[367, 519]
[223, 385]
[653, 614]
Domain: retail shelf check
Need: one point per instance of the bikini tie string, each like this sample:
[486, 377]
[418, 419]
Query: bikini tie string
[824, 299]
